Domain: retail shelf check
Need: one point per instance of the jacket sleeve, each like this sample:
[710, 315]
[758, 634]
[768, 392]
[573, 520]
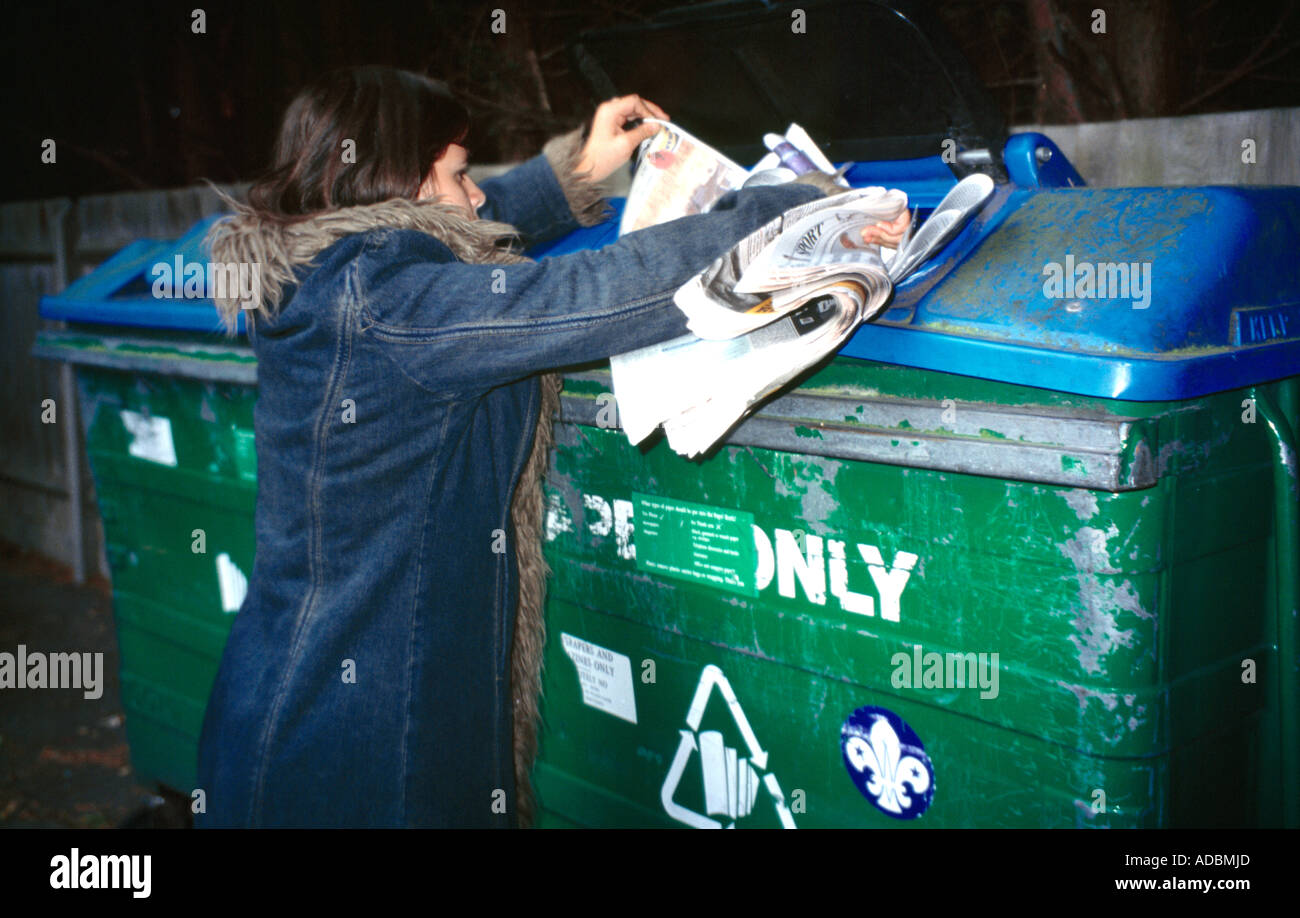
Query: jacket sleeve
[545, 196]
[456, 327]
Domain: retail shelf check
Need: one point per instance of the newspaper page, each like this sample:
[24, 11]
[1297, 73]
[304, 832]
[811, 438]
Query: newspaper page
[699, 388]
[718, 305]
[678, 175]
[822, 242]
[775, 304]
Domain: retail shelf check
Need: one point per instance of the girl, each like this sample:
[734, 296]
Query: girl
[383, 668]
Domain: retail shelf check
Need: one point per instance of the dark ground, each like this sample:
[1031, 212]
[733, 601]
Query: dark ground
[64, 761]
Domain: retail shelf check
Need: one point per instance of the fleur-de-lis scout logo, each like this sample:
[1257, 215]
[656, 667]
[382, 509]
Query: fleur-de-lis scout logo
[887, 762]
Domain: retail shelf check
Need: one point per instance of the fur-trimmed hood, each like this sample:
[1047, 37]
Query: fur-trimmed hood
[276, 248]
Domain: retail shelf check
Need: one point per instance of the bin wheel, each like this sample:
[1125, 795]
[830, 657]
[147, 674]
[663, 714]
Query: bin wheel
[165, 809]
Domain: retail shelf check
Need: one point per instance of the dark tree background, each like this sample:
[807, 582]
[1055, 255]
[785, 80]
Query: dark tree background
[135, 99]
[1044, 62]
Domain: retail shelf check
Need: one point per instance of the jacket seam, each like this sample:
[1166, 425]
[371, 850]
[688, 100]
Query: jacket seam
[415, 605]
[342, 359]
[446, 396]
[425, 335]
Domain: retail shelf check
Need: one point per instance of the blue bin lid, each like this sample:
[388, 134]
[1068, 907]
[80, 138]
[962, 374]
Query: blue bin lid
[121, 290]
[1218, 306]
[1221, 310]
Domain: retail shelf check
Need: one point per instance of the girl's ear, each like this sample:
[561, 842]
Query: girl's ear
[428, 188]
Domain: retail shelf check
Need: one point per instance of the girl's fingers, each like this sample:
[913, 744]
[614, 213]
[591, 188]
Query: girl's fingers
[634, 106]
[611, 114]
[887, 233]
[644, 132]
[882, 233]
[631, 107]
[655, 110]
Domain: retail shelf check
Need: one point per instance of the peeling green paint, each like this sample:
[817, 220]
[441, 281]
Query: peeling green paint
[98, 345]
[1095, 682]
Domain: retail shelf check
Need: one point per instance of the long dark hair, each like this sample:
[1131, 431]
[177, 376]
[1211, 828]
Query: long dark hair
[399, 123]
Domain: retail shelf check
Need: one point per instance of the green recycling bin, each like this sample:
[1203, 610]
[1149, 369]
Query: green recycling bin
[1036, 570]
[167, 410]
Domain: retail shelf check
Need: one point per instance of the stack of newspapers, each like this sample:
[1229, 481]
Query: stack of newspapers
[782, 299]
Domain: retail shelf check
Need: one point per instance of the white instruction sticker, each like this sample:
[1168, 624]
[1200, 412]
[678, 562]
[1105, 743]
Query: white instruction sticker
[151, 438]
[605, 677]
[232, 583]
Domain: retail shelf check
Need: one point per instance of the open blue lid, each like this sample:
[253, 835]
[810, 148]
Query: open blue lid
[144, 286]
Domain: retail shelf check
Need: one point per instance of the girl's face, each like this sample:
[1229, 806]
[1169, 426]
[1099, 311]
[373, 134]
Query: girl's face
[449, 182]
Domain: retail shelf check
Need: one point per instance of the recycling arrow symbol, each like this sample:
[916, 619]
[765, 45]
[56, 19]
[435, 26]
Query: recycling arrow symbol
[730, 781]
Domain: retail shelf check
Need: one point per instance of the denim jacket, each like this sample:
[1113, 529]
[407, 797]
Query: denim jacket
[366, 681]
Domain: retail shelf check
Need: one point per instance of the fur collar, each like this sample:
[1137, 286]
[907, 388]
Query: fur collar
[277, 249]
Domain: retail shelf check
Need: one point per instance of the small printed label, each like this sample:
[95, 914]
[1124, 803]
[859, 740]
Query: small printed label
[232, 583]
[605, 677]
[695, 542]
[887, 762]
[1270, 323]
[245, 454]
[151, 437]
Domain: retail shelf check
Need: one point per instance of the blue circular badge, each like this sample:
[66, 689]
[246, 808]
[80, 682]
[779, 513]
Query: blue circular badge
[887, 762]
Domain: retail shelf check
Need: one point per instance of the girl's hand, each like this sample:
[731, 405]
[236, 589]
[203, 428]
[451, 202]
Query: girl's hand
[888, 234]
[609, 146]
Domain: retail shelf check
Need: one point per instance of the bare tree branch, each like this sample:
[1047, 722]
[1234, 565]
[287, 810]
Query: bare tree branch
[1245, 67]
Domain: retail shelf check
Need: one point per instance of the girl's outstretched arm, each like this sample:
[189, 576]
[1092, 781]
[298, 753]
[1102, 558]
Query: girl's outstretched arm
[463, 328]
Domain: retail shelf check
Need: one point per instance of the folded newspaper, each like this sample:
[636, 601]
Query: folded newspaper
[783, 298]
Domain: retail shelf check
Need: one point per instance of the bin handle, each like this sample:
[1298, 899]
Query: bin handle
[1286, 544]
